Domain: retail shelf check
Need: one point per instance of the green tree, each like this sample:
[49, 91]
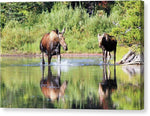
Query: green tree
[20, 11]
[130, 28]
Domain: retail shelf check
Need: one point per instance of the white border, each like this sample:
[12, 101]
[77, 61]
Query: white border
[71, 112]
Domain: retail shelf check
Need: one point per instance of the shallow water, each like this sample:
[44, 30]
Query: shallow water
[77, 83]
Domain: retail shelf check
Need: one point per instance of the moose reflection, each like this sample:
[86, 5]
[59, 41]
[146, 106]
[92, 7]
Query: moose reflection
[106, 87]
[51, 85]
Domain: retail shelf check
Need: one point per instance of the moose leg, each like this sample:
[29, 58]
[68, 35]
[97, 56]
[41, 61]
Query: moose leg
[43, 68]
[114, 57]
[43, 62]
[49, 59]
[59, 71]
[104, 56]
[109, 56]
[114, 71]
[59, 59]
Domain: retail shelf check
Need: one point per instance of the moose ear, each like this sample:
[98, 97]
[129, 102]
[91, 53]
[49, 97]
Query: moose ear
[63, 31]
[57, 31]
[99, 35]
[107, 37]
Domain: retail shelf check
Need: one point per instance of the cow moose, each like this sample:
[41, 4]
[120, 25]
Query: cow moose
[51, 85]
[50, 44]
[108, 44]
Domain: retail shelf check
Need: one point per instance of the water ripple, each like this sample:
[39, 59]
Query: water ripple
[67, 62]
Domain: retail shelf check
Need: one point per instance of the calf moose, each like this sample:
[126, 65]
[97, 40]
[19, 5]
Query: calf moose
[108, 44]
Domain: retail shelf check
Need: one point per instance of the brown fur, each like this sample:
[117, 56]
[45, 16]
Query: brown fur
[108, 44]
[50, 38]
[50, 44]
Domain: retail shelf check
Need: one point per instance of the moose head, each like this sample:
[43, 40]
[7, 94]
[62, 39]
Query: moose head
[62, 40]
[102, 39]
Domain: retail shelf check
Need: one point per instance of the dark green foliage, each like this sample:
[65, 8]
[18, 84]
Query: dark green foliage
[21, 10]
[130, 27]
[24, 24]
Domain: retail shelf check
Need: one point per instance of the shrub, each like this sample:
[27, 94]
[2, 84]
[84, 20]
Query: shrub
[81, 30]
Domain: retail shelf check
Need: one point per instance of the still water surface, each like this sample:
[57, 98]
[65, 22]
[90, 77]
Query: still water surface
[78, 83]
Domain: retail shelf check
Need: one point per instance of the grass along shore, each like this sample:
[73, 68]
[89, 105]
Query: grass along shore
[121, 51]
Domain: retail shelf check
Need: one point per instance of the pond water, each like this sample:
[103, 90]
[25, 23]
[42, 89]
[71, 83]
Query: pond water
[78, 83]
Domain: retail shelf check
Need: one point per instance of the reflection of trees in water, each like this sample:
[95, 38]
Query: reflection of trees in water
[22, 90]
[106, 87]
[23, 97]
[132, 70]
[51, 86]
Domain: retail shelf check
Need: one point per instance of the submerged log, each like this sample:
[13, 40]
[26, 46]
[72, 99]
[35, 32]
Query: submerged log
[132, 58]
[125, 57]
